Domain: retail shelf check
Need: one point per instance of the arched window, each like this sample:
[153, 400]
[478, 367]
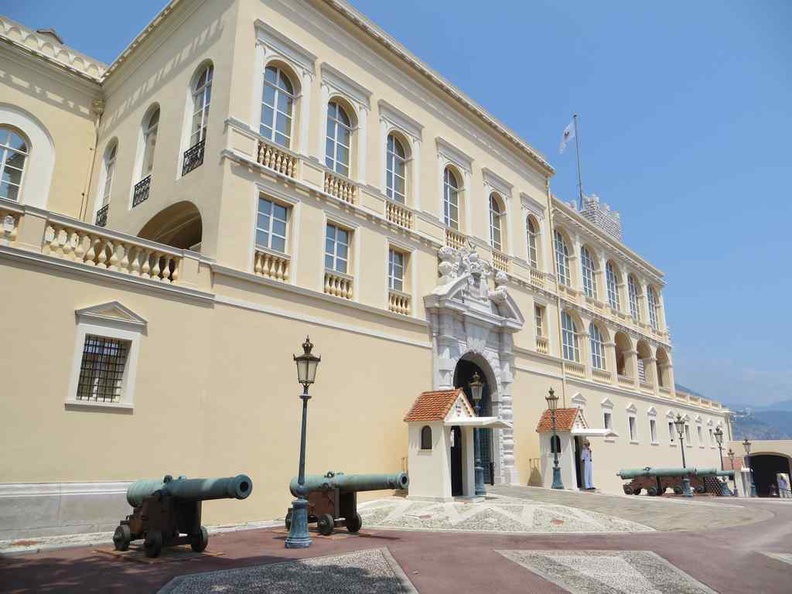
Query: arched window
[149, 142]
[597, 347]
[201, 96]
[396, 170]
[277, 107]
[662, 365]
[612, 279]
[632, 292]
[555, 444]
[450, 199]
[588, 267]
[651, 298]
[339, 139]
[496, 222]
[569, 338]
[14, 150]
[562, 258]
[426, 437]
[533, 239]
[109, 172]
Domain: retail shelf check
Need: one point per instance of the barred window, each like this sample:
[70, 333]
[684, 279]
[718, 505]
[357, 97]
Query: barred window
[589, 284]
[613, 286]
[450, 199]
[562, 258]
[597, 347]
[569, 335]
[102, 369]
[271, 225]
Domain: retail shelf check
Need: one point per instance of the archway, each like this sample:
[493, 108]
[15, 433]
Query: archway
[179, 226]
[463, 374]
[765, 467]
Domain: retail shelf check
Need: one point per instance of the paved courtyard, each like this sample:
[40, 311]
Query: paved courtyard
[726, 546]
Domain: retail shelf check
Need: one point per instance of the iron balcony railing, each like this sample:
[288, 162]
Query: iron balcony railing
[141, 191]
[193, 157]
[101, 216]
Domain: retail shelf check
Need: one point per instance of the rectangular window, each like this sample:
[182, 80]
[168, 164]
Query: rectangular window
[653, 430]
[271, 225]
[700, 435]
[337, 249]
[396, 262]
[633, 430]
[102, 369]
[711, 438]
[687, 435]
[607, 419]
[539, 315]
[671, 431]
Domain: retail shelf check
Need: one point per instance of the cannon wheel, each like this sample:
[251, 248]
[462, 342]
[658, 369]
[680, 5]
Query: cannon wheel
[628, 490]
[677, 490]
[638, 490]
[354, 524]
[651, 491]
[325, 523]
[700, 489]
[199, 541]
[287, 519]
[153, 544]
[122, 537]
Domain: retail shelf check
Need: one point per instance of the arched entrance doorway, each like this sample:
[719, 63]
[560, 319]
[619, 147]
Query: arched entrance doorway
[179, 226]
[765, 470]
[463, 374]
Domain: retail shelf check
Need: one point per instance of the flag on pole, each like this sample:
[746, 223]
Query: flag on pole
[569, 134]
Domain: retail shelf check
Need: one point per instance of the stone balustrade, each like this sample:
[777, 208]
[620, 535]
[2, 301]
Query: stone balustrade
[500, 261]
[340, 187]
[271, 264]
[9, 224]
[399, 302]
[542, 344]
[537, 278]
[399, 214]
[277, 158]
[602, 375]
[455, 239]
[574, 368]
[338, 284]
[647, 387]
[624, 380]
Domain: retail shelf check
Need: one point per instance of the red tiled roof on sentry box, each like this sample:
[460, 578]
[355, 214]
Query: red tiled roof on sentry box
[432, 406]
[565, 419]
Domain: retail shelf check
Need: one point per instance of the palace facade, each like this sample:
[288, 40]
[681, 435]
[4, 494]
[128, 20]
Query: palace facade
[249, 172]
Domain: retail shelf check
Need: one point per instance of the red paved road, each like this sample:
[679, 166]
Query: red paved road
[727, 560]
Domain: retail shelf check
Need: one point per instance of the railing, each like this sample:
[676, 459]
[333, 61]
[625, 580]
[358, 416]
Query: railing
[500, 261]
[96, 249]
[101, 216]
[276, 158]
[9, 225]
[340, 187]
[399, 302]
[338, 284]
[647, 386]
[141, 193]
[624, 380]
[399, 214]
[601, 374]
[455, 239]
[573, 368]
[665, 390]
[537, 278]
[193, 157]
[542, 344]
[271, 264]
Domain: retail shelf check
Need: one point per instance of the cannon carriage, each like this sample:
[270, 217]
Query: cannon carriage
[332, 497]
[656, 481]
[168, 512]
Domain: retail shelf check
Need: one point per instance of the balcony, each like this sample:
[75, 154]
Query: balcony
[101, 216]
[624, 380]
[9, 223]
[647, 387]
[271, 264]
[455, 239]
[141, 192]
[574, 368]
[542, 345]
[500, 261]
[399, 302]
[537, 278]
[601, 375]
[277, 158]
[399, 214]
[338, 284]
[193, 157]
[341, 187]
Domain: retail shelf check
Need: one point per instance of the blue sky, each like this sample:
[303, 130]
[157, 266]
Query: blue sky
[685, 128]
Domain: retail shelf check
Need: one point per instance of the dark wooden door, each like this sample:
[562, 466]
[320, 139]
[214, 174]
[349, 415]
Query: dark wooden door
[456, 461]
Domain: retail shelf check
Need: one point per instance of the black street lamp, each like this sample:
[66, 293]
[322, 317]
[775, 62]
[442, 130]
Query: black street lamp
[730, 454]
[719, 440]
[476, 389]
[552, 404]
[680, 427]
[747, 446]
[306, 374]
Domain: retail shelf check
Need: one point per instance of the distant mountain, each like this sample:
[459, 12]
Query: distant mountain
[784, 405]
[771, 422]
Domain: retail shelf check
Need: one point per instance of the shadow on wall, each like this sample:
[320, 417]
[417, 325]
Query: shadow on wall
[534, 474]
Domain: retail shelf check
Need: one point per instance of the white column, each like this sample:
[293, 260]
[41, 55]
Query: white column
[362, 143]
[305, 111]
[415, 174]
[382, 142]
[468, 197]
[320, 142]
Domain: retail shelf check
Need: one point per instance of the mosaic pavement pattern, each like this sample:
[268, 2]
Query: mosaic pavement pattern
[608, 572]
[519, 516]
[362, 572]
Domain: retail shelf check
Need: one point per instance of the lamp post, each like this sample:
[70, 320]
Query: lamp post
[747, 446]
[552, 403]
[730, 454]
[719, 440]
[306, 374]
[680, 427]
[476, 389]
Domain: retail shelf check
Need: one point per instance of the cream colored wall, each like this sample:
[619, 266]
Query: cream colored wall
[61, 103]
[429, 469]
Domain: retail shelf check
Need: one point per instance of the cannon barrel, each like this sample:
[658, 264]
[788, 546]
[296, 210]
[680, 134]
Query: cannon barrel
[200, 489]
[727, 473]
[631, 473]
[349, 483]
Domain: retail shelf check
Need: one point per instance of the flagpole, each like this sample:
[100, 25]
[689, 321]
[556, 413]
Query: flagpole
[577, 151]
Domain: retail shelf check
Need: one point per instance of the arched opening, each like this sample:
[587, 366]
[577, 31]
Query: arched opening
[623, 347]
[644, 362]
[662, 364]
[179, 226]
[426, 437]
[463, 375]
[766, 468]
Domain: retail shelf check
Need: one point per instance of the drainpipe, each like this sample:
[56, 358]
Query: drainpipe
[97, 107]
[558, 295]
